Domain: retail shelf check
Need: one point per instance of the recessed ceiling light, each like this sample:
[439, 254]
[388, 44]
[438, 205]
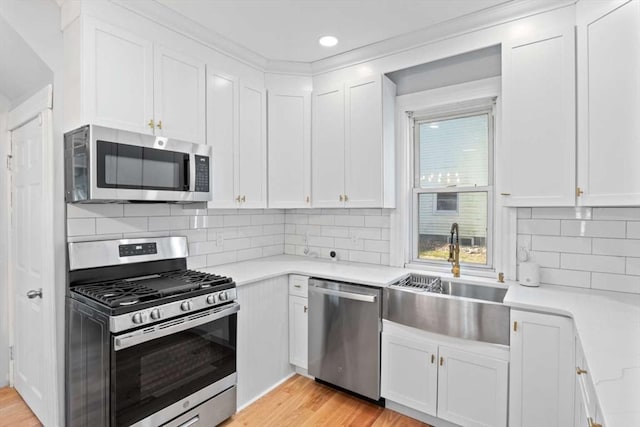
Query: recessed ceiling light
[328, 41]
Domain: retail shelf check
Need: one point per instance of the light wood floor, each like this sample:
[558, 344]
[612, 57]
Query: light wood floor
[301, 401]
[298, 402]
[14, 412]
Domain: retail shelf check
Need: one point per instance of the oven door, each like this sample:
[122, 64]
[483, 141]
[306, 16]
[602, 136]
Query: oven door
[163, 370]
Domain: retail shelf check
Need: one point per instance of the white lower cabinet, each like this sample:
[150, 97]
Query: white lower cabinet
[586, 410]
[298, 327]
[542, 370]
[461, 382]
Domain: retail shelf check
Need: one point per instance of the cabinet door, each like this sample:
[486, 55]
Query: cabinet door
[179, 101]
[222, 136]
[289, 144]
[327, 149]
[472, 389]
[363, 143]
[252, 148]
[539, 120]
[609, 103]
[298, 331]
[118, 78]
[410, 372]
[542, 370]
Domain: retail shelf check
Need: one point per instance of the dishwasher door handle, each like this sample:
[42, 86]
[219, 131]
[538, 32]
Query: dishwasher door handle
[343, 294]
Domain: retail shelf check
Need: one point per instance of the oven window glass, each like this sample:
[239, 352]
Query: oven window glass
[134, 167]
[155, 374]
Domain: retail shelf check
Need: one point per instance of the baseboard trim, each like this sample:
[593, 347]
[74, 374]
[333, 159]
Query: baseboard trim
[420, 416]
[265, 392]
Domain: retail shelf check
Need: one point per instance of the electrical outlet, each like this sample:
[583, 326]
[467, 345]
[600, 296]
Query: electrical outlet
[220, 238]
[355, 238]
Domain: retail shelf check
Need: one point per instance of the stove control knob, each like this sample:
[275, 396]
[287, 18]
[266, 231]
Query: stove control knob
[155, 314]
[138, 318]
[186, 306]
[223, 296]
[211, 299]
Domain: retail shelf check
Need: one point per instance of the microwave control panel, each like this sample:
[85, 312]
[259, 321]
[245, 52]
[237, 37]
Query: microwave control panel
[202, 174]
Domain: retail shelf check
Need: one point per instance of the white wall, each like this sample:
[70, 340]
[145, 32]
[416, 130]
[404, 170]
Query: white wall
[4, 247]
[596, 248]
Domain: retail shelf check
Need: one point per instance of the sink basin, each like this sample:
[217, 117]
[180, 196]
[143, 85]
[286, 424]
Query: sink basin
[457, 309]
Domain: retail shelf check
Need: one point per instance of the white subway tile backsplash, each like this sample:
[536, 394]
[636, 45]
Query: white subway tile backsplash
[321, 219]
[159, 223]
[594, 263]
[247, 254]
[367, 257]
[81, 226]
[545, 259]
[598, 247]
[561, 213]
[107, 210]
[122, 225]
[381, 246]
[620, 247]
[625, 214]
[196, 262]
[350, 220]
[272, 250]
[593, 228]
[616, 282]
[633, 266]
[237, 244]
[549, 227]
[383, 221]
[554, 276]
[561, 244]
[349, 243]
[206, 221]
[152, 209]
[236, 220]
[222, 258]
[334, 231]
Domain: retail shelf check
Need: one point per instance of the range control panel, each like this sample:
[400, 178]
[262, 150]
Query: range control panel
[138, 249]
[202, 173]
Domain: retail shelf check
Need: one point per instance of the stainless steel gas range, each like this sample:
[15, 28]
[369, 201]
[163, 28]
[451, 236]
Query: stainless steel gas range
[149, 342]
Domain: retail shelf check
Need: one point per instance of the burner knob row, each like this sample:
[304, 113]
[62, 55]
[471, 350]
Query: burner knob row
[139, 318]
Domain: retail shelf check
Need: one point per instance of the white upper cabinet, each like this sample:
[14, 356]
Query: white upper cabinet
[236, 131]
[116, 95]
[542, 368]
[289, 143]
[538, 116]
[179, 100]
[117, 79]
[352, 145]
[609, 102]
[327, 159]
[222, 135]
[252, 148]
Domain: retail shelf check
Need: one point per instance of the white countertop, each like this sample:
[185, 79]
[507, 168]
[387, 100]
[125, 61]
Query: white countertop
[608, 325]
[246, 272]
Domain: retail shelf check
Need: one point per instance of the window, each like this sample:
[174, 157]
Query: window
[454, 183]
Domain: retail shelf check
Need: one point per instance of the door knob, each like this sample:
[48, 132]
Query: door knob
[34, 294]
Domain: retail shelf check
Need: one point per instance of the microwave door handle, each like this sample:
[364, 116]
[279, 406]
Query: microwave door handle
[190, 171]
[161, 330]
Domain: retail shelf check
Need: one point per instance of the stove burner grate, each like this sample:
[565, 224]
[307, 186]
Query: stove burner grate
[125, 292]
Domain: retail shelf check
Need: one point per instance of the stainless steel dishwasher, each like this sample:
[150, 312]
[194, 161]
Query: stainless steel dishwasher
[344, 335]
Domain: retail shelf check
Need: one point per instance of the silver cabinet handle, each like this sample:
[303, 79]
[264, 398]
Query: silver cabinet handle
[347, 295]
[34, 294]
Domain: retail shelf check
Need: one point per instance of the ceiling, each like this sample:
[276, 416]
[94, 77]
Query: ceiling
[288, 30]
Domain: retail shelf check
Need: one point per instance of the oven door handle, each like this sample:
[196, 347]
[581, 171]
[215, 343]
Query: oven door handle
[169, 327]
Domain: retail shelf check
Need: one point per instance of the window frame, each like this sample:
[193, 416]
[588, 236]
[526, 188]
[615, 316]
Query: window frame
[449, 112]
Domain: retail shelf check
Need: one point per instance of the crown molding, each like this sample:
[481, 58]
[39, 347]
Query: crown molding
[175, 21]
[487, 18]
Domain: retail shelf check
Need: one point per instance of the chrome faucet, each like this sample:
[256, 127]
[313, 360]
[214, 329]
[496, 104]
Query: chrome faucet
[454, 250]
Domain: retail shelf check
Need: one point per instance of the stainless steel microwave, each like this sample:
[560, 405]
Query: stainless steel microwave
[110, 165]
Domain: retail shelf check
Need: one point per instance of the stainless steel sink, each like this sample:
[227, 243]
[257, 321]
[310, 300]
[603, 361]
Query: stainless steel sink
[462, 310]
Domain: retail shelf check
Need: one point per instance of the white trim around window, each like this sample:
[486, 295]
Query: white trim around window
[457, 98]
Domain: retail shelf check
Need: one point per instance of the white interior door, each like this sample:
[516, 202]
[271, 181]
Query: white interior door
[34, 350]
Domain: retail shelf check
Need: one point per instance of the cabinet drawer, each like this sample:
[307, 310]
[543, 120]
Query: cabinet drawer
[298, 285]
[585, 388]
